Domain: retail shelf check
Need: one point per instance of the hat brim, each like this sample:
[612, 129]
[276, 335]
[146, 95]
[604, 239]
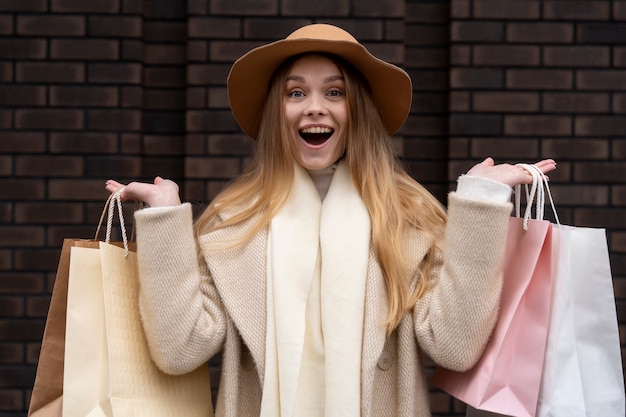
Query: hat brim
[248, 81]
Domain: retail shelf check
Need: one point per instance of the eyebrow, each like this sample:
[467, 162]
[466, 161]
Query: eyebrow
[328, 79]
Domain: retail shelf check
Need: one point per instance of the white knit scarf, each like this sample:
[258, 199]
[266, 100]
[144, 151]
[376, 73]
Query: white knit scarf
[340, 229]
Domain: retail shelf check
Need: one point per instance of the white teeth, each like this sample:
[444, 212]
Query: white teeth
[317, 130]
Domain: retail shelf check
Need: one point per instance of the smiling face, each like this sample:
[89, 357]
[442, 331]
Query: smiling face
[316, 111]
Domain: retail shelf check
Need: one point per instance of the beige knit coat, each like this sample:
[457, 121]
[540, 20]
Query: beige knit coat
[191, 310]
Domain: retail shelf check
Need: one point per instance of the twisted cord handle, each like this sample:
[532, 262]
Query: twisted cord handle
[113, 200]
[538, 189]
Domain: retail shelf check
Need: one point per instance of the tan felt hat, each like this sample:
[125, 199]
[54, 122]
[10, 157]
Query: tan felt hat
[249, 78]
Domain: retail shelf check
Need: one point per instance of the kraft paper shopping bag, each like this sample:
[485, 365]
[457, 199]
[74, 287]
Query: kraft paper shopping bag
[582, 373]
[47, 396]
[108, 371]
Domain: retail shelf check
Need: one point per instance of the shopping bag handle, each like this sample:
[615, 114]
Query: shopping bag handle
[113, 201]
[536, 194]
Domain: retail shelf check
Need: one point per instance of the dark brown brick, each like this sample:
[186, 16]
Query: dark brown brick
[166, 77]
[22, 142]
[601, 33]
[476, 78]
[428, 80]
[601, 80]
[505, 148]
[575, 102]
[539, 79]
[506, 9]
[539, 32]
[211, 167]
[56, 234]
[610, 218]
[118, 73]
[21, 189]
[208, 27]
[50, 25]
[48, 213]
[133, 6]
[23, 6]
[163, 31]
[506, 55]
[505, 102]
[218, 98]
[427, 12]
[79, 6]
[475, 124]
[49, 119]
[460, 9]
[115, 26]
[131, 97]
[427, 57]
[11, 352]
[580, 195]
[426, 103]
[196, 98]
[459, 101]
[10, 307]
[16, 48]
[113, 166]
[619, 10]
[114, 119]
[473, 31]
[197, 51]
[197, 7]
[6, 117]
[229, 144]
[431, 35]
[537, 125]
[78, 190]
[619, 57]
[17, 95]
[576, 149]
[164, 10]
[618, 195]
[381, 8]
[132, 50]
[50, 72]
[600, 126]
[576, 56]
[6, 166]
[34, 259]
[11, 399]
[424, 126]
[35, 166]
[6, 25]
[243, 7]
[576, 9]
[6, 71]
[89, 96]
[163, 145]
[12, 236]
[600, 172]
[217, 121]
[165, 54]
[37, 306]
[84, 49]
[619, 103]
[460, 54]
[83, 142]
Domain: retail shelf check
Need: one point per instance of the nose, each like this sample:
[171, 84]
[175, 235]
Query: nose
[316, 105]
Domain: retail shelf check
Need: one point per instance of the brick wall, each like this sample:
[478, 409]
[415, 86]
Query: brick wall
[130, 89]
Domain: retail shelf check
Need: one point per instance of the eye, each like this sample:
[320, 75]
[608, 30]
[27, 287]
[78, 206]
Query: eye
[335, 92]
[296, 94]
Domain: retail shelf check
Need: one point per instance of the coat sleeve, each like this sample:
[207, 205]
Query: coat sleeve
[182, 314]
[455, 318]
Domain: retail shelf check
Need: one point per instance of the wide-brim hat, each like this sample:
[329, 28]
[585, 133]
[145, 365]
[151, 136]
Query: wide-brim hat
[249, 78]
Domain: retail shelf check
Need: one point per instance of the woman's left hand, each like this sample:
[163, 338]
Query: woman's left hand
[508, 174]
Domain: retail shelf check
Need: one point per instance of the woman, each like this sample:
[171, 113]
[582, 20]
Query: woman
[324, 271]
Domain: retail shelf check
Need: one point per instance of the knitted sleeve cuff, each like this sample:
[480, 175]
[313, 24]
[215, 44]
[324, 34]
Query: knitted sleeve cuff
[482, 189]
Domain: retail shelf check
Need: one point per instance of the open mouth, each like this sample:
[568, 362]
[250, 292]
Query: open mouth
[316, 135]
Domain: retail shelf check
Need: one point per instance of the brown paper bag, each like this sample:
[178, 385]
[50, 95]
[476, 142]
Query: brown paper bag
[47, 396]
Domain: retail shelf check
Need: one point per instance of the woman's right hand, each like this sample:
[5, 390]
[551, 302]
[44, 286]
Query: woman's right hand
[162, 193]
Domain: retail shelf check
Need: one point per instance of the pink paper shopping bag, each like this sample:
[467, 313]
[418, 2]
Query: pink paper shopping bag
[507, 378]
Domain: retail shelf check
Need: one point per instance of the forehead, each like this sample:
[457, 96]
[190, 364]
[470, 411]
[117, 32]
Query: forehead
[313, 63]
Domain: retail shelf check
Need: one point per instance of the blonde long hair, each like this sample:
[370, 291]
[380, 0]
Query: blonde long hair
[395, 201]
